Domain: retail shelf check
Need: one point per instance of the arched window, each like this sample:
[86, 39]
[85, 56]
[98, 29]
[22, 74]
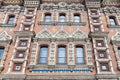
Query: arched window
[11, 19]
[79, 55]
[76, 18]
[61, 54]
[47, 17]
[112, 20]
[62, 17]
[43, 55]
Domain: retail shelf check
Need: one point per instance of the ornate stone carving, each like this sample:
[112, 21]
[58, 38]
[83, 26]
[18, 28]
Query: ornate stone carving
[5, 42]
[116, 37]
[61, 5]
[79, 34]
[12, 8]
[62, 34]
[111, 9]
[44, 34]
[4, 36]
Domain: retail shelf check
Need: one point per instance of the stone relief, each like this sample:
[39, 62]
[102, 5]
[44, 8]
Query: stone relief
[61, 5]
[116, 37]
[4, 36]
[61, 34]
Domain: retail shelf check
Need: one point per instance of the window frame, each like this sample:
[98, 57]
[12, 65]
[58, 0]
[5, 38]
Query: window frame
[106, 64]
[83, 53]
[9, 21]
[18, 52]
[39, 61]
[103, 52]
[65, 58]
[2, 53]
[47, 19]
[114, 20]
[17, 64]
[78, 15]
[61, 19]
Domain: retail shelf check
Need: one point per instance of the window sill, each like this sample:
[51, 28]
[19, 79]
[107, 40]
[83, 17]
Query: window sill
[114, 26]
[8, 25]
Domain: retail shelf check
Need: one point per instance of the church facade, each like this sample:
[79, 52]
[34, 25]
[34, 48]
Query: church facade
[59, 39]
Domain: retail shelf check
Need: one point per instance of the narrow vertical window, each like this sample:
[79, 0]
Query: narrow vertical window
[62, 17]
[112, 21]
[1, 52]
[47, 17]
[43, 55]
[11, 19]
[76, 18]
[119, 51]
[79, 55]
[61, 54]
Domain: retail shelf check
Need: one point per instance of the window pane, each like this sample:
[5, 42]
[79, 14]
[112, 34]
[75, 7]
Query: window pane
[80, 60]
[119, 51]
[61, 55]
[61, 60]
[79, 55]
[77, 18]
[43, 55]
[1, 52]
[42, 60]
[112, 21]
[47, 18]
[62, 18]
[11, 20]
[79, 52]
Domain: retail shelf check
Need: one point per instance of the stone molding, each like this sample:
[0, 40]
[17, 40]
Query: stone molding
[116, 44]
[62, 5]
[5, 40]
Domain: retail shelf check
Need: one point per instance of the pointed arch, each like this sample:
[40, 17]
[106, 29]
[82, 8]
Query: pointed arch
[44, 34]
[62, 34]
[79, 34]
[116, 37]
[4, 36]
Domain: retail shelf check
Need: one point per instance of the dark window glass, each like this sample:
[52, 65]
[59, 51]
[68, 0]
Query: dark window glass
[61, 54]
[76, 18]
[62, 17]
[112, 21]
[79, 55]
[47, 17]
[119, 51]
[43, 55]
[11, 19]
[1, 52]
